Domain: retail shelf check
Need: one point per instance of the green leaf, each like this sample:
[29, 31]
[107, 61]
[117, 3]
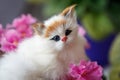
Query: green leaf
[98, 26]
[97, 5]
[115, 51]
[115, 73]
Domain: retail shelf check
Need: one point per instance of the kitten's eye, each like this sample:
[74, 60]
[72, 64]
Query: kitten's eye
[67, 32]
[56, 38]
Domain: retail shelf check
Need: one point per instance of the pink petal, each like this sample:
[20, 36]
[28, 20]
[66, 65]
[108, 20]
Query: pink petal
[82, 31]
[12, 35]
[9, 26]
[24, 19]
[86, 70]
[31, 19]
[22, 25]
[7, 46]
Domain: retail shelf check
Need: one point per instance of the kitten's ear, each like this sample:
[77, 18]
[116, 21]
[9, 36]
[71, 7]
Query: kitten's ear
[38, 28]
[69, 12]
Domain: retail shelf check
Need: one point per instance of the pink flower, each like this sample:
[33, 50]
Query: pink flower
[24, 19]
[10, 40]
[6, 46]
[82, 31]
[9, 26]
[12, 36]
[22, 25]
[16, 32]
[86, 70]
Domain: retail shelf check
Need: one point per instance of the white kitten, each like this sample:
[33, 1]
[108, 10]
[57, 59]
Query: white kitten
[48, 54]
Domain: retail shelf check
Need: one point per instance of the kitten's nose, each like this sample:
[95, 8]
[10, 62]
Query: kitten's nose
[64, 39]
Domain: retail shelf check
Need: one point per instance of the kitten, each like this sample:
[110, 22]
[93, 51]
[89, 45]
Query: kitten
[48, 54]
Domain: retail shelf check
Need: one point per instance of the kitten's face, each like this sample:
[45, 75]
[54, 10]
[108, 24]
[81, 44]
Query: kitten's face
[59, 30]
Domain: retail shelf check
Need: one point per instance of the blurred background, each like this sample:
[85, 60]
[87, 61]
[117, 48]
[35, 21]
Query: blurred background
[100, 18]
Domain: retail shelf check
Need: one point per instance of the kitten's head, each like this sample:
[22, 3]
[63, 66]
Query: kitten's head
[60, 30]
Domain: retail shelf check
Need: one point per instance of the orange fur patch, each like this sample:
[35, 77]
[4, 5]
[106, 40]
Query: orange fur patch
[37, 27]
[53, 27]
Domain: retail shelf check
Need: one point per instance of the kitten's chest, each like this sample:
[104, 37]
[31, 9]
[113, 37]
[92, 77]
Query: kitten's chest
[72, 54]
[53, 71]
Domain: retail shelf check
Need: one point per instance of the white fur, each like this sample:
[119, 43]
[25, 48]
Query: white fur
[53, 19]
[39, 58]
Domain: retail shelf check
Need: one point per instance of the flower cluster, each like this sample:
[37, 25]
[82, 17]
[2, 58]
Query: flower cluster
[86, 70]
[16, 32]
